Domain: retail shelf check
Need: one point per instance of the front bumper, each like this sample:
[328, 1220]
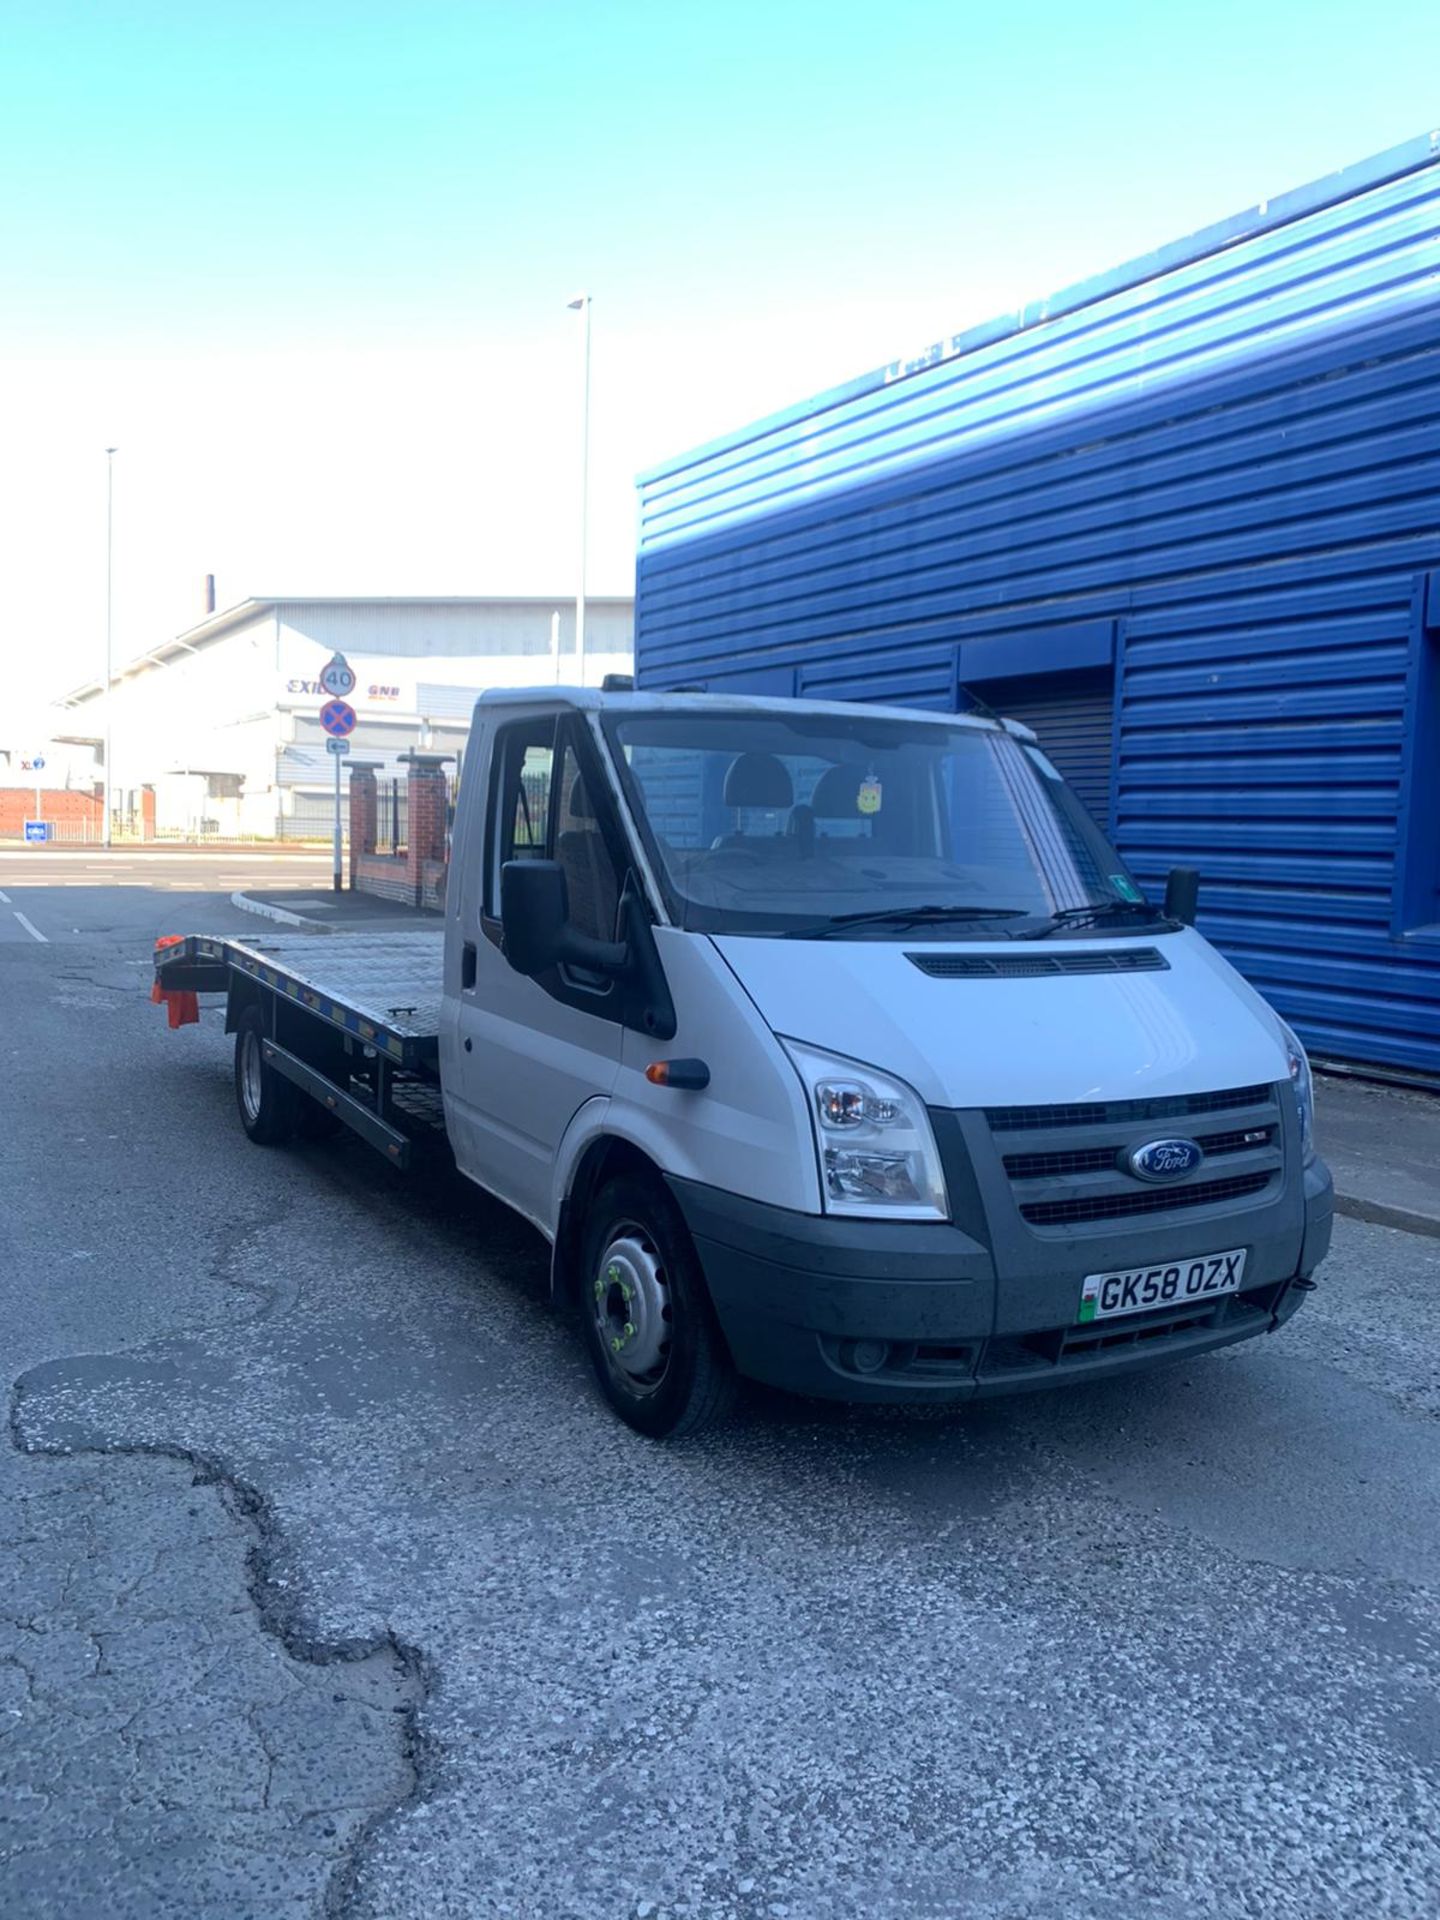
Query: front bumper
[797, 1293]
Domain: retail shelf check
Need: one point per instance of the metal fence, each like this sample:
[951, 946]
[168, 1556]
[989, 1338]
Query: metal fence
[392, 817]
[533, 809]
[90, 832]
[75, 833]
[311, 817]
[288, 828]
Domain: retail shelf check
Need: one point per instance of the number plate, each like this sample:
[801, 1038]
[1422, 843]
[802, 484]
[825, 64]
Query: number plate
[1177, 1283]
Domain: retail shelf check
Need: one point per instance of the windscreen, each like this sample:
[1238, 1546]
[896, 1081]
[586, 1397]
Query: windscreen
[771, 822]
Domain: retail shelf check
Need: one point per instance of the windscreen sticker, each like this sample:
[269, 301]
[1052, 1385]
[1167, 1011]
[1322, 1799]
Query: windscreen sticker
[868, 798]
[1125, 887]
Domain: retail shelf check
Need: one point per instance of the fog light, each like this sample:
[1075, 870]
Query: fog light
[865, 1356]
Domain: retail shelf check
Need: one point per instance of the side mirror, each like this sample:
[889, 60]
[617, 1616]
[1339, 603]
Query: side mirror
[534, 909]
[1182, 895]
[535, 920]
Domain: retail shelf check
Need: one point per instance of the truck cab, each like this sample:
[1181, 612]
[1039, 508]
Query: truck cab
[833, 1045]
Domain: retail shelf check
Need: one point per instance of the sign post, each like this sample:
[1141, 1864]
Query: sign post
[37, 767]
[337, 717]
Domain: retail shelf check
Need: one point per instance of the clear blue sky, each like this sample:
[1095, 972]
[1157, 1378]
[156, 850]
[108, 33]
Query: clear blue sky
[422, 171]
[764, 199]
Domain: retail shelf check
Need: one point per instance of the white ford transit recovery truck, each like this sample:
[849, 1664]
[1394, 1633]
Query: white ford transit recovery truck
[827, 1044]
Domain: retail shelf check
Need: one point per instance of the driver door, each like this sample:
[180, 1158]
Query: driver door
[533, 1051]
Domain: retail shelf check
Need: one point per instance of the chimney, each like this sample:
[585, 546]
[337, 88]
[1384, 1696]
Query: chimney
[209, 593]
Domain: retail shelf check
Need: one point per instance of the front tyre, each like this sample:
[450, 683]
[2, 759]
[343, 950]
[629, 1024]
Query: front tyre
[266, 1099]
[649, 1327]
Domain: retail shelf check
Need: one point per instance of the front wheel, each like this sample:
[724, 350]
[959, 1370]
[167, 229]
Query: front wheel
[649, 1327]
[266, 1099]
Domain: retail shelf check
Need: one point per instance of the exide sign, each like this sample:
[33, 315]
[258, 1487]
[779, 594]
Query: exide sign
[376, 691]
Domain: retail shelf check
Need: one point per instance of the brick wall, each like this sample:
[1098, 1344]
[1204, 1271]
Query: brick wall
[417, 877]
[433, 876]
[384, 874]
[429, 797]
[364, 810]
[65, 806]
[74, 814]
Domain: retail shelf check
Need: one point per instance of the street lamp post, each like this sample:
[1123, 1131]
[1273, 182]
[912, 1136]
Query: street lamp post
[581, 305]
[110, 453]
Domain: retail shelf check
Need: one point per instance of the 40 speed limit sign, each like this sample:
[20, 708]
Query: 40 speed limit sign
[337, 678]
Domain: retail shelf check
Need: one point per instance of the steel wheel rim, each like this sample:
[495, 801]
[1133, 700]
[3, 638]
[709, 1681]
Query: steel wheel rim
[630, 1309]
[251, 1067]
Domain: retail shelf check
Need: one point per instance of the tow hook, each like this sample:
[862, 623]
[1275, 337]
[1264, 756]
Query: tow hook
[1302, 1283]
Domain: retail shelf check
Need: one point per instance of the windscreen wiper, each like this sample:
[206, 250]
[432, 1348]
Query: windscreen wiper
[1090, 913]
[900, 917]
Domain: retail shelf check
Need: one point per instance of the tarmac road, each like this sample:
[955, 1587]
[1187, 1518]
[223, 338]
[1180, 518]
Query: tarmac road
[64, 885]
[328, 1586]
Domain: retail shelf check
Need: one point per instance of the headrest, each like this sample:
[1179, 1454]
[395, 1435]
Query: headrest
[758, 780]
[837, 794]
[580, 807]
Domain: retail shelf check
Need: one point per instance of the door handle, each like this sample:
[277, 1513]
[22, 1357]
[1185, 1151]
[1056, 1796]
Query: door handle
[467, 966]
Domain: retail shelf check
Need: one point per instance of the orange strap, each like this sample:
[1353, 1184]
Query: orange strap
[182, 1006]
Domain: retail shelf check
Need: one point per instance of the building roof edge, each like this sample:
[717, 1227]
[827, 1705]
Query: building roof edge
[1411, 156]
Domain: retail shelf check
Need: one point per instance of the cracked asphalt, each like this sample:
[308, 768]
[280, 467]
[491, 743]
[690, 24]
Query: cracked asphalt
[329, 1587]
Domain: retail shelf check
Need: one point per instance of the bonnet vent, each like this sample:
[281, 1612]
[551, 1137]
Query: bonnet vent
[1025, 966]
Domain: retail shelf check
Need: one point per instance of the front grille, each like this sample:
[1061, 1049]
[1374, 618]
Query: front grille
[1032, 966]
[1041, 1166]
[1123, 1206]
[1067, 1166]
[1123, 1113]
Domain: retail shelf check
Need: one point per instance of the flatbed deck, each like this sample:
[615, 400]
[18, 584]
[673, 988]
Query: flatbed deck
[381, 989]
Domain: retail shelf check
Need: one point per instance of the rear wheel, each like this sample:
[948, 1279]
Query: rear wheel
[267, 1101]
[649, 1327]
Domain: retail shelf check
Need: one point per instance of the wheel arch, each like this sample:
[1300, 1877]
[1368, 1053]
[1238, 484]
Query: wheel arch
[605, 1157]
[240, 994]
[311, 1039]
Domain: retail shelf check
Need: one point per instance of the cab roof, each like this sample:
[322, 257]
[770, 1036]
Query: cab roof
[600, 700]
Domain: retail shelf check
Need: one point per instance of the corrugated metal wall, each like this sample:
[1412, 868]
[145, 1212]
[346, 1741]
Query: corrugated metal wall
[1232, 465]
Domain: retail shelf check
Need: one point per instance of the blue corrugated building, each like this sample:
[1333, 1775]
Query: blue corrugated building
[1184, 520]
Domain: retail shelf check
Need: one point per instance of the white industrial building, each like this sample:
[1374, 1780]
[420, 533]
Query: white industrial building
[223, 721]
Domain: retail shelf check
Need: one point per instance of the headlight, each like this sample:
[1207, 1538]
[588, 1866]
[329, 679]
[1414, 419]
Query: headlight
[873, 1138]
[1304, 1090]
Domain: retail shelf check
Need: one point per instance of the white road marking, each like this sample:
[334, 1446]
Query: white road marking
[4, 896]
[30, 927]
